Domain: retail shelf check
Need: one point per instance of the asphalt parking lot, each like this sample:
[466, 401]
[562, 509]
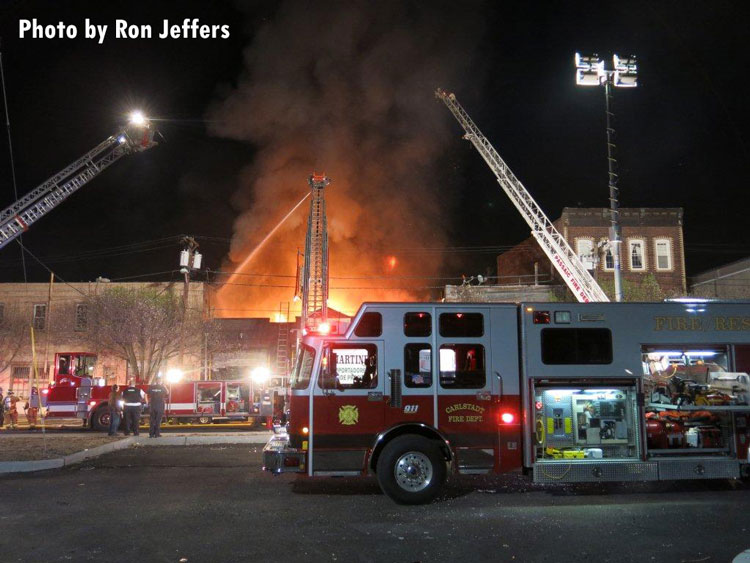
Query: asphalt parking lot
[213, 503]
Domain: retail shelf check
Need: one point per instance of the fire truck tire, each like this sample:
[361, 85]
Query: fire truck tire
[204, 419]
[411, 470]
[100, 419]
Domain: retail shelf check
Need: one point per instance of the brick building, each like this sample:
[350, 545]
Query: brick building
[652, 243]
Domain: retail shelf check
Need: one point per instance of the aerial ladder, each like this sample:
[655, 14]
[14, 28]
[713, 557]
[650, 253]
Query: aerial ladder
[563, 258]
[136, 136]
[315, 272]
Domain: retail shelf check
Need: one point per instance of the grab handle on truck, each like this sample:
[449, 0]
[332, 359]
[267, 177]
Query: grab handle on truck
[500, 379]
[395, 375]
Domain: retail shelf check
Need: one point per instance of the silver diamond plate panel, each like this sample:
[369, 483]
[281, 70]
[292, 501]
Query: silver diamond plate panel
[698, 468]
[594, 471]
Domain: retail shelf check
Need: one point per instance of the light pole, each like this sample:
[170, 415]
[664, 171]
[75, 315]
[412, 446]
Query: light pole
[590, 71]
[190, 260]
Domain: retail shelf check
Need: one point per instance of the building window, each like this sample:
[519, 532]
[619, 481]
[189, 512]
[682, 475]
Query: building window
[20, 381]
[609, 259]
[585, 251]
[663, 253]
[82, 317]
[40, 316]
[637, 256]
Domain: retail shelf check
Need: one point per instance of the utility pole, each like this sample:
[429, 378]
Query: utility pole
[590, 71]
[190, 261]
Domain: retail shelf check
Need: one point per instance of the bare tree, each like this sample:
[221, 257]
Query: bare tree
[14, 334]
[144, 326]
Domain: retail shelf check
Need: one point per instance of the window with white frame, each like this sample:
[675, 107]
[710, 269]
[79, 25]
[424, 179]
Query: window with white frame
[608, 260]
[40, 316]
[663, 253]
[585, 251]
[637, 255]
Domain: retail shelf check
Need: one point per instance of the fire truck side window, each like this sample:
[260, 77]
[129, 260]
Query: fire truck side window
[463, 325]
[85, 366]
[354, 366]
[462, 366]
[418, 365]
[301, 375]
[63, 367]
[576, 346]
[370, 325]
[417, 324]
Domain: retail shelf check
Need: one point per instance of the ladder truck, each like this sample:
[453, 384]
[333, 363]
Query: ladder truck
[554, 245]
[136, 136]
[315, 274]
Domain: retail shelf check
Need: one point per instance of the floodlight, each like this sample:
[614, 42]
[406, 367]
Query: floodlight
[137, 118]
[174, 375]
[626, 72]
[260, 375]
[589, 70]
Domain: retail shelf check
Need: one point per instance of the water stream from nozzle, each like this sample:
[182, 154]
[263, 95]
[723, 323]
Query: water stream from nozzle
[262, 243]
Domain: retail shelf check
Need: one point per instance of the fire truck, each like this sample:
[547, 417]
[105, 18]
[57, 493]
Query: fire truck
[76, 393]
[563, 392]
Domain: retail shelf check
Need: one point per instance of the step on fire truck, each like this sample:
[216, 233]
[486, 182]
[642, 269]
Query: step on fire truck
[75, 393]
[565, 392]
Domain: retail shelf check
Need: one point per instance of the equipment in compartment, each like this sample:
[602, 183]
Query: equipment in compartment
[557, 418]
[677, 430]
[600, 419]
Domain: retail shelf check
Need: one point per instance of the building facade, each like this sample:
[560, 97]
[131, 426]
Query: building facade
[58, 314]
[652, 244]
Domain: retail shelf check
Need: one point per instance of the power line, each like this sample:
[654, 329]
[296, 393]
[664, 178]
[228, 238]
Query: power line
[18, 240]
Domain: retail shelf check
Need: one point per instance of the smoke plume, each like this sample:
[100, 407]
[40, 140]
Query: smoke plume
[345, 88]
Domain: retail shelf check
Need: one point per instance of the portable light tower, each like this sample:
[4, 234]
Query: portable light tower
[590, 71]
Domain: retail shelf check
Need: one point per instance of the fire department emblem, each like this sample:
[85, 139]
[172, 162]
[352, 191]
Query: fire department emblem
[348, 415]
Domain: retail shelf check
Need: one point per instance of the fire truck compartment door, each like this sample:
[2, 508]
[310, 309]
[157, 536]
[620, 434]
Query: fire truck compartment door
[348, 406]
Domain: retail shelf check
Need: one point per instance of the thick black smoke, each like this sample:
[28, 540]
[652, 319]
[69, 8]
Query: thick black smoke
[346, 88]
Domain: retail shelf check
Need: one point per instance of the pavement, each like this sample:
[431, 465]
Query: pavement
[214, 503]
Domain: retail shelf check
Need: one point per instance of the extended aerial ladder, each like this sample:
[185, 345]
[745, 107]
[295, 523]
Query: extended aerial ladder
[554, 245]
[137, 136]
[315, 272]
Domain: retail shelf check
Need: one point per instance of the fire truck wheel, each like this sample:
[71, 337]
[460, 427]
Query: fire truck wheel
[204, 419]
[100, 419]
[411, 470]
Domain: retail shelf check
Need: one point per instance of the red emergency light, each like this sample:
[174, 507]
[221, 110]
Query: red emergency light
[541, 317]
[507, 417]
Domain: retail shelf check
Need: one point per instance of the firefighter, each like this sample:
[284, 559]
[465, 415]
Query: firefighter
[157, 395]
[32, 407]
[11, 408]
[133, 399]
[115, 409]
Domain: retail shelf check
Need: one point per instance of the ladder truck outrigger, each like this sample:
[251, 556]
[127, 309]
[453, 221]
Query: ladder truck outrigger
[136, 136]
[566, 262]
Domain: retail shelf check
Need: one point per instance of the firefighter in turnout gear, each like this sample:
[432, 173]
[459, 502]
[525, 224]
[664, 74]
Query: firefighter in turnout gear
[157, 396]
[133, 399]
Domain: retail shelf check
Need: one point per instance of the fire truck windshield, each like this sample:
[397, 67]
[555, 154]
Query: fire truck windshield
[302, 372]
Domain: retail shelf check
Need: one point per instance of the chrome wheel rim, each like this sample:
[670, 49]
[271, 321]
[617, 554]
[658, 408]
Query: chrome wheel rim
[413, 471]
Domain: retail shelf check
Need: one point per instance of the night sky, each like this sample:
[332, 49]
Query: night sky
[681, 136]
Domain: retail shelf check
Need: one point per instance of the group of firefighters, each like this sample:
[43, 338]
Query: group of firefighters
[129, 403]
[9, 408]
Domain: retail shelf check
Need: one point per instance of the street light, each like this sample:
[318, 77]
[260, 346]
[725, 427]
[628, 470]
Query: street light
[590, 71]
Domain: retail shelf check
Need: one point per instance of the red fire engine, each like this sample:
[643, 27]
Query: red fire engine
[75, 393]
[565, 392]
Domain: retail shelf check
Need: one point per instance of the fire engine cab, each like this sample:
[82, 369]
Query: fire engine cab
[565, 392]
